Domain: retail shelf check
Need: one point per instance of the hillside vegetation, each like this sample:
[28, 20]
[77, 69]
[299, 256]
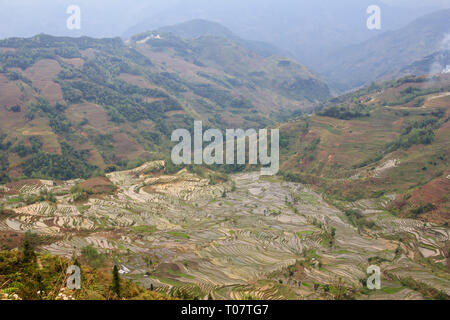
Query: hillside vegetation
[76, 107]
[27, 275]
[388, 138]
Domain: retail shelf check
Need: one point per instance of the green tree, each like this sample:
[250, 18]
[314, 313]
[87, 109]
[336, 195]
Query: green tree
[115, 286]
[28, 251]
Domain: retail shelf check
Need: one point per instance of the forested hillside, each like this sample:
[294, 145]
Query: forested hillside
[74, 107]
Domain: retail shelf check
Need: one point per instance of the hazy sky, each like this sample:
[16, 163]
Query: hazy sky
[115, 17]
[308, 27]
[419, 3]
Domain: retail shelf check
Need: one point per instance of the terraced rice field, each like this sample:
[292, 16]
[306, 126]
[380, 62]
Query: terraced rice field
[248, 237]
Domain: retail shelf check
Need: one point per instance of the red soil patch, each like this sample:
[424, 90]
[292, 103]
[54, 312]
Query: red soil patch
[399, 122]
[172, 113]
[42, 74]
[324, 156]
[17, 185]
[28, 144]
[126, 147]
[10, 240]
[95, 114]
[15, 172]
[95, 158]
[98, 185]
[234, 121]
[150, 100]
[435, 192]
[432, 192]
[444, 128]
[9, 93]
[442, 102]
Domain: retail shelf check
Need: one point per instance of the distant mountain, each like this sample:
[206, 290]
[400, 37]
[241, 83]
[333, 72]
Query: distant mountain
[71, 106]
[434, 63]
[310, 30]
[390, 53]
[199, 28]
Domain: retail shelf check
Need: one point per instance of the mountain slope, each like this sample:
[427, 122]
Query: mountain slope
[200, 28]
[382, 140]
[310, 30]
[100, 103]
[434, 63]
[385, 56]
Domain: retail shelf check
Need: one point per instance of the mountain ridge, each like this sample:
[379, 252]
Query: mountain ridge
[384, 56]
[200, 27]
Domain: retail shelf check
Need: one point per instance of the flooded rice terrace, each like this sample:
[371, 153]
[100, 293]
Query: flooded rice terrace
[249, 237]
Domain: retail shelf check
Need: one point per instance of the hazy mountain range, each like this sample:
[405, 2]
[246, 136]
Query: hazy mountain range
[389, 54]
[419, 48]
[324, 35]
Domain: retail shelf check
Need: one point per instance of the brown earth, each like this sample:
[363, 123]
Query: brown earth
[9, 93]
[98, 185]
[42, 74]
[17, 185]
[435, 193]
[10, 240]
[126, 147]
[95, 114]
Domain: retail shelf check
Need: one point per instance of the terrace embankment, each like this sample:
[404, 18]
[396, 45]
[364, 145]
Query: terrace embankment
[250, 236]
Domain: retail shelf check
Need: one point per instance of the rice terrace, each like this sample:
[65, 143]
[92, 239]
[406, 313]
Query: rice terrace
[209, 152]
